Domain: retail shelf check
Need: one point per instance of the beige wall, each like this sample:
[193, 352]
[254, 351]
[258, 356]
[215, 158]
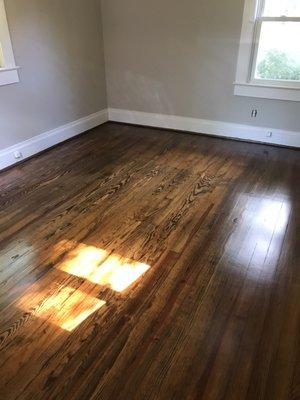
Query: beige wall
[179, 57]
[162, 56]
[58, 45]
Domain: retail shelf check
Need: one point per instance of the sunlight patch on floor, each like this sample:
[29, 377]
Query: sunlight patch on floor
[66, 307]
[102, 268]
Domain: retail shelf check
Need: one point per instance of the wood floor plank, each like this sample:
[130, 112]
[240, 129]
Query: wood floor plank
[137, 263]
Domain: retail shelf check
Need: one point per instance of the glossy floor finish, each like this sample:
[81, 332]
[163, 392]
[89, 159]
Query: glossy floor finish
[146, 264]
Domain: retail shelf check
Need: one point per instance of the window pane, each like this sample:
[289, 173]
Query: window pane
[279, 51]
[278, 8]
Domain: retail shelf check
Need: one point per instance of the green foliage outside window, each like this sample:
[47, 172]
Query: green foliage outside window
[277, 65]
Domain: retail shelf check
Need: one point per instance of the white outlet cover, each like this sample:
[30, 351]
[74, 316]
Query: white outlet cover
[18, 155]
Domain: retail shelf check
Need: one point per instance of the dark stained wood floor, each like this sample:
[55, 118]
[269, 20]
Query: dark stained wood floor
[146, 264]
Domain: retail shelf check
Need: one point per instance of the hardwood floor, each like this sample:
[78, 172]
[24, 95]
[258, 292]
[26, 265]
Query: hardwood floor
[146, 264]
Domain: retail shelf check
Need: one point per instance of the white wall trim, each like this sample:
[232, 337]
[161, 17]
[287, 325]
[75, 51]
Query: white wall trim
[8, 69]
[9, 76]
[215, 128]
[48, 139]
[267, 92]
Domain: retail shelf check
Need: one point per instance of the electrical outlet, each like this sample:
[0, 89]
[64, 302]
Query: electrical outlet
[254, 113]
[18, 155]
[269, 134]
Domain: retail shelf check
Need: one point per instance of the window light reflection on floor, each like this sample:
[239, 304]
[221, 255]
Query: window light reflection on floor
[102, 268]
[66, 306]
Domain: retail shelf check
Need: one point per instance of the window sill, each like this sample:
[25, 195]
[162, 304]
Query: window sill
[9, 75]
[267, 92]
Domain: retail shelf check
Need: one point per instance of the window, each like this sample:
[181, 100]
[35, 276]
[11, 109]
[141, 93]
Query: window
[8, 69]
[269, 55]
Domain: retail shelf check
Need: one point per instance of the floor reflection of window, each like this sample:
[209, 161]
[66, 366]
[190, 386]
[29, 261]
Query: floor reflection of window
[66, 306]
[102, 268]
[262, 226]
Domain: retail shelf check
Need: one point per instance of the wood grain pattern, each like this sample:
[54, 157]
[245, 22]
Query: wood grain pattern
[146, 264]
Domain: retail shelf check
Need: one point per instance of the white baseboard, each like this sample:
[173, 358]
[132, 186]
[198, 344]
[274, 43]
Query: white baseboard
[215, 128]
[48, 139]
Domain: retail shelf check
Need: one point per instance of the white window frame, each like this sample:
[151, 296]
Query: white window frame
[8, 68]
[246, 84]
